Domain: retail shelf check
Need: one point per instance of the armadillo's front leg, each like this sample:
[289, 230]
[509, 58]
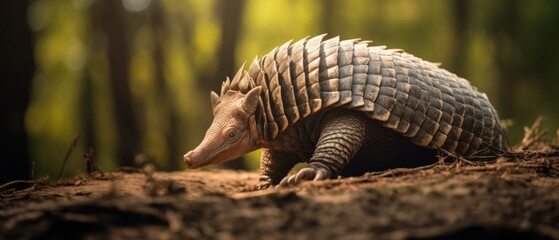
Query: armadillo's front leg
[342, 135]
[274, 165]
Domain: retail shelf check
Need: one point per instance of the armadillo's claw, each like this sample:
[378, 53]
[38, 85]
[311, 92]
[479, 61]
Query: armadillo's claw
[306, 174]
[283, 182]
[258, 187]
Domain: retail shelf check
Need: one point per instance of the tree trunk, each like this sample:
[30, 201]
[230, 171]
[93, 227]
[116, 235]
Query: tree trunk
[164, 95]
[502, 28]
[15, 87]
[112, 23]
[327, 16]
[87, 112]
[461, 18]
[230, 13]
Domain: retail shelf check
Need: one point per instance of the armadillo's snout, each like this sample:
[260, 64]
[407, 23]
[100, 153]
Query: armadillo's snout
[189, 159]
[197, 157]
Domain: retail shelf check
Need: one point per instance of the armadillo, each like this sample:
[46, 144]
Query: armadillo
[346, 108]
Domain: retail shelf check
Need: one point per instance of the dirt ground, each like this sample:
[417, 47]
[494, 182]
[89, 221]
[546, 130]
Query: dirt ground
[506, 199]
[516, 198]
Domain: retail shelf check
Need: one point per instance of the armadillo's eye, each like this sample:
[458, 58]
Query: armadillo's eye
[232, 134]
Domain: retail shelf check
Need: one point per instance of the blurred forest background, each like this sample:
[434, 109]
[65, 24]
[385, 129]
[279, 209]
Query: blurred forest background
[133, 76]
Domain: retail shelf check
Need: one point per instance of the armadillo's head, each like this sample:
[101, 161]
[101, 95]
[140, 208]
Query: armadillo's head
[233, 131]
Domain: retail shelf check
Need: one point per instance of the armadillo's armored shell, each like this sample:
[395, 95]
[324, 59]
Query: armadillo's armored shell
[429, 105]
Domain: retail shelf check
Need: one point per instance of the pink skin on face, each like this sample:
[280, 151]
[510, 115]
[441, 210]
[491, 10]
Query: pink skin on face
[231, 133]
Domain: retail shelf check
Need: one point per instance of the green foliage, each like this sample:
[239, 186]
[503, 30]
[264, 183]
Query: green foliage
[508, 49]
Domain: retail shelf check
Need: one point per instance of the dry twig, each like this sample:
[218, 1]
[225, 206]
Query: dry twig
[72, 146]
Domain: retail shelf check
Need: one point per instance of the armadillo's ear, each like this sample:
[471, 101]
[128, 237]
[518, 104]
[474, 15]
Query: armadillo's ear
[215, 99]
[251, 100]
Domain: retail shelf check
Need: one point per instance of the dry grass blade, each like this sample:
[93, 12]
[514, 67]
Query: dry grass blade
[531, 135]
[526, 149]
